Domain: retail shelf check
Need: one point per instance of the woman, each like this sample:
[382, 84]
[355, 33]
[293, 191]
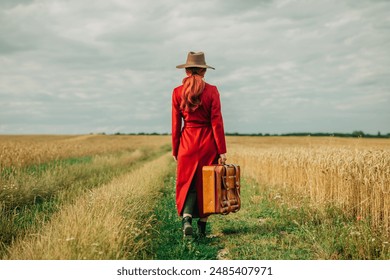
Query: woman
[200, 142]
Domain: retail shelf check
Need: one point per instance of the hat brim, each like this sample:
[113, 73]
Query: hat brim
[194, 65]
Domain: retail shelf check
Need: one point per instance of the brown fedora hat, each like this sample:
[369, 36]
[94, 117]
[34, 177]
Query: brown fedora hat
[195, 59]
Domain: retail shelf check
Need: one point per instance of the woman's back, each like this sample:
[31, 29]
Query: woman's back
[202, 114]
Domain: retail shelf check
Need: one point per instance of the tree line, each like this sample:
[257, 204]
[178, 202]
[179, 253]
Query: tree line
[354, 134]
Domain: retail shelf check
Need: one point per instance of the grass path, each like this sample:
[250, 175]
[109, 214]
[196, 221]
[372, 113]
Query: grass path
[110, 222]
[266, 228]
[36, 192]
[168, 243]
[257, 231]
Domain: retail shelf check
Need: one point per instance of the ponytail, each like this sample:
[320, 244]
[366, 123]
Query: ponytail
[193, 86]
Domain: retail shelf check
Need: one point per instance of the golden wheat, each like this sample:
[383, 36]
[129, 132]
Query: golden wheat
[112, 222]
[350, 173]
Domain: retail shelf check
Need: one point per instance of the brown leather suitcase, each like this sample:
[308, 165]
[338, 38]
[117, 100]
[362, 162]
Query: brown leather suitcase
[221, 189]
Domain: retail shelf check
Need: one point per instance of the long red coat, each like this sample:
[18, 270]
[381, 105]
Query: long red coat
[196, 142]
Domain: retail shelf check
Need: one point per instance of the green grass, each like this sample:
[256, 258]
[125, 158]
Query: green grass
[45, 188]
[266, 227]
[38, 169]
[168, 242]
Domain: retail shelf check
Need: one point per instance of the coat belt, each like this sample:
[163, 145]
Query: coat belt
[197, 124]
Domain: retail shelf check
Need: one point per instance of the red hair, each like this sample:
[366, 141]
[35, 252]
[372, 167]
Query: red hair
[193, 86]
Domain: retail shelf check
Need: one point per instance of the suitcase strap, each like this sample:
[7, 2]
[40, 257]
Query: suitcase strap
[230, 195]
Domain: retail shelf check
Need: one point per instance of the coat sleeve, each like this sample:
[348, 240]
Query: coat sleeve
[176, 125]
[217, 123]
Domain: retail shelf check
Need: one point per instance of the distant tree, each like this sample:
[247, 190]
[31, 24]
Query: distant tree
[358, 133]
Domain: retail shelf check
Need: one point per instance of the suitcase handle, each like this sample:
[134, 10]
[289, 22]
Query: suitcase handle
[220, 162]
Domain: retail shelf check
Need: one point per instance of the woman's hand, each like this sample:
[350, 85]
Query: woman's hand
[175, 158]
[223, 158]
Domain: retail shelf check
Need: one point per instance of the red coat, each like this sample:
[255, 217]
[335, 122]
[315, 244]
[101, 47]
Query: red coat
[197, 143]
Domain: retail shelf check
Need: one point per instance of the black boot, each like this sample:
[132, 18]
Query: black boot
[201, 229]
[187, 226]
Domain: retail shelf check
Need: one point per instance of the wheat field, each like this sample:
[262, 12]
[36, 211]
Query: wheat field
[90, 196]
[22, 150]
[353, 174]
[78, 197]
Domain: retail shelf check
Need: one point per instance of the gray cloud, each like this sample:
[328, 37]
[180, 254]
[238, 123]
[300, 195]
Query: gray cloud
[281, 66]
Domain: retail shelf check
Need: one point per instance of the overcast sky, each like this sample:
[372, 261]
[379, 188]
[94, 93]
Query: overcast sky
[79, 66]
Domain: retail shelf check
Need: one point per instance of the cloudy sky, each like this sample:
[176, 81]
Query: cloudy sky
[79, 66]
